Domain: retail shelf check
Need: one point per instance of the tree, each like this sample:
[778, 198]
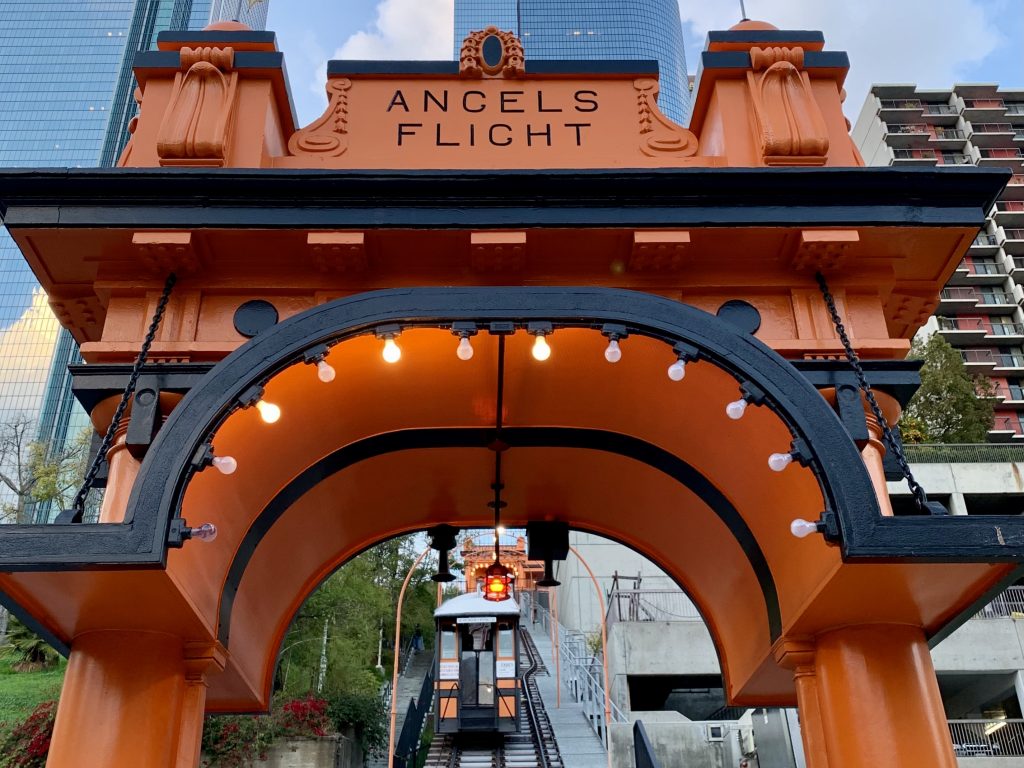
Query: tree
[33, 472]
[952, 406]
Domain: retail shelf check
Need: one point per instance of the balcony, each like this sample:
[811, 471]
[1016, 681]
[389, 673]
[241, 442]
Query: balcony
[954, 158]
[940, 114]
[907, 135]
[914, 157]
[948, 138]
[1010, 213]
[1018, 268]
[987, 738]
[1010, 397]
[978, 360]
[899, 110]
[1005, 362]
[1008, 158]
[997, 302]
[975, 270]
[984, 244]
[1005, 333]
[957, 300]
[991, 134]
[1014, 242]
[1014, 109]
[1014, 188]
[969, 453]
[963, 330]
[984, 109]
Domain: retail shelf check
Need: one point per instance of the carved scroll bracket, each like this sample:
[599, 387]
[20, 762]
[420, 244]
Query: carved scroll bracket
[328, 135]
[790, 125]
[195, 126]
[659, 136]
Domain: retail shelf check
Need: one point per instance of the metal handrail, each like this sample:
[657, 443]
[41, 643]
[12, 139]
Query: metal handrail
[643, 751]
[964, 453]
[987, 738]
[640, 605]
[1008, 605]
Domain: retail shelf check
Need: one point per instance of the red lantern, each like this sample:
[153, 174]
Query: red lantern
[496, 582]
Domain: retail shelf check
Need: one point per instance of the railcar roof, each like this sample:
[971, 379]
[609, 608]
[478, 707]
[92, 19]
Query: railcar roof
[473, 604]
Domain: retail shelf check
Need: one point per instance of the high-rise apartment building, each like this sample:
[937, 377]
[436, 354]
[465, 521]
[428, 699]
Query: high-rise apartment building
[66, 95]
[592, 29]
[979, 312]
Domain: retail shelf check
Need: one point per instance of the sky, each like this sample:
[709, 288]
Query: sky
[934, 43]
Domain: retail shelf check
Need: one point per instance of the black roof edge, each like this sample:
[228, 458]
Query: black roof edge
[217, 36]
[537, 67]
[766, 36]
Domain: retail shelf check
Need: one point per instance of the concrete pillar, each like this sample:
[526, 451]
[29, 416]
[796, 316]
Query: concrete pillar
[127, 702]
[879, 699]
[1018, 687]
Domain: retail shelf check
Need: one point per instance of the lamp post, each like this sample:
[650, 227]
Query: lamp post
[398, 646]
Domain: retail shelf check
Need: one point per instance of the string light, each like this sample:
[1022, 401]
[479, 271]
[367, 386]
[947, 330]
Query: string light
[803, 528]
[206, 532]
[612, 353]
[391, 353]
[269, 412]
[736, 409]
[465, 349]
[779, 461]
[541, 349]
[226, 465]
[677, 371]
[325, 372]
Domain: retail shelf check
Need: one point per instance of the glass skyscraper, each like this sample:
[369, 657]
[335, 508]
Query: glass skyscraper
[592, 29]
[65, 101]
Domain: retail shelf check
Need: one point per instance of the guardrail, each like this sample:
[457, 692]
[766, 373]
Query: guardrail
[643, 752]
[650, 605]
[1009, 605]
[987, 738]
[963, 453]
[408, 745]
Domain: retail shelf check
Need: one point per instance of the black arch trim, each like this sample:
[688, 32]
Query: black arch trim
[516, 437]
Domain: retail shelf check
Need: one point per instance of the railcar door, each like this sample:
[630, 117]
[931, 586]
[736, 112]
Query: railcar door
[477, 710]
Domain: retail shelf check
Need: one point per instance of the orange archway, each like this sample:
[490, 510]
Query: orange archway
[688, 264]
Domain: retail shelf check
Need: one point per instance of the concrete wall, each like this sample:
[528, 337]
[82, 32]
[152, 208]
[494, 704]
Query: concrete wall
[990, 645]
[677, 742]
[868, 135]
[329, 752]
[958, 480]
[990, 762]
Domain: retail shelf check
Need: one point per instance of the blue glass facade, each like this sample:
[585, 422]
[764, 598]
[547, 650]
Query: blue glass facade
[592, 29]
[65, 101]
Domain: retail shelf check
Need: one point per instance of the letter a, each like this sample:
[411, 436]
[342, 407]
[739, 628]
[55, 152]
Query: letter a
[398, 100]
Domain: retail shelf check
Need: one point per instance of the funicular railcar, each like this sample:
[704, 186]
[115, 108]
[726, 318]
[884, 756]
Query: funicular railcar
[477, 685]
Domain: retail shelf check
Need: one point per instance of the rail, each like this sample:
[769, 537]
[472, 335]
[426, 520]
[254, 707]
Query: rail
[963, 453]
[1009, 605]
[643, 752]
[987, 738]
[650, 605]
[529, 702]
[407, 748]
[580, 672]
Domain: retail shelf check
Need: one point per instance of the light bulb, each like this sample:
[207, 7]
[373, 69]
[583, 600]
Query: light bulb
[612, 353]
[541, 349]
[465, 349]
[779, 461]
[226, 465]
[268, 411]
[206, 532]
[500, 529]
[802, 528]
[325, 372]
[736, 409]
[677, 370]
[392, 352]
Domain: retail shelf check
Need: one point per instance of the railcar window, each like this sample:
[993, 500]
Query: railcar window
[506, 643]
[448, 644]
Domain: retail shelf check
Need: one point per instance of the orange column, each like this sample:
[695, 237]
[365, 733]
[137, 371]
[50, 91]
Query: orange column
[122, 703]
[879, 699]
[874, 452]
[798, 655]
[123, 469]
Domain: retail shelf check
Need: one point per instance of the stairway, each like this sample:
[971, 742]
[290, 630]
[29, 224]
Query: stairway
[409, 686]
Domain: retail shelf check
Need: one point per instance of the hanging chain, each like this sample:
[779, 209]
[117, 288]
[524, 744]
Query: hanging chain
[79, 503]
[894, 445]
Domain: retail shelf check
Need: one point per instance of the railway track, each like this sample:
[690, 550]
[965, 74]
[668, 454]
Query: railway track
[533, 746]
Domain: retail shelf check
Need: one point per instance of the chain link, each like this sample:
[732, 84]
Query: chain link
[79, 503]
[894, 445]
